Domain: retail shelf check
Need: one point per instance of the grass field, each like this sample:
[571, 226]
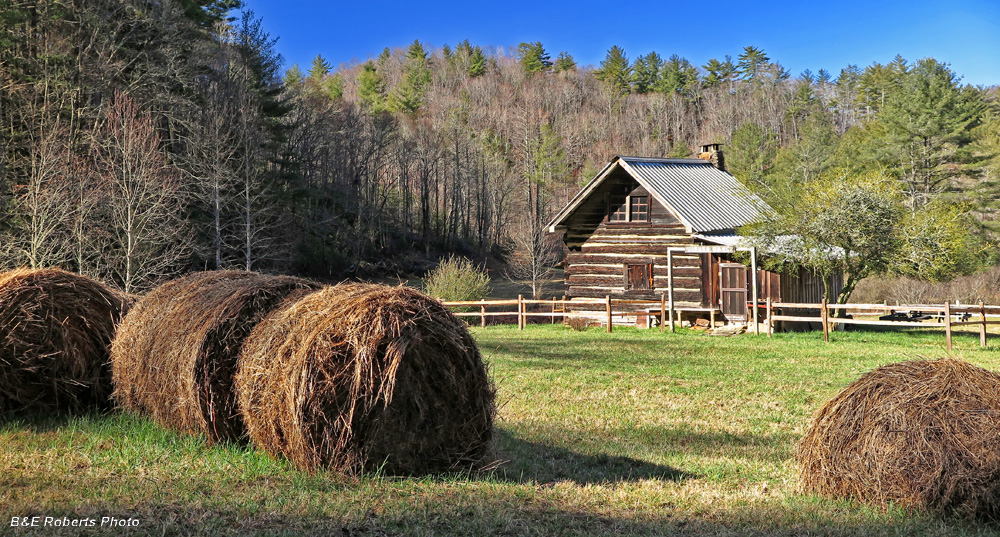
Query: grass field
[630, 433]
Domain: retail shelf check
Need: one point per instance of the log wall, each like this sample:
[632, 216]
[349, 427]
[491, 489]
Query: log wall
[597, 268]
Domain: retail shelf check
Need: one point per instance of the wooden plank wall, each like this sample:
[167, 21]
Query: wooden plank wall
[595, 266]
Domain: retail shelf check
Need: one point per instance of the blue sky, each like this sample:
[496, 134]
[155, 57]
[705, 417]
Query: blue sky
[800, 35]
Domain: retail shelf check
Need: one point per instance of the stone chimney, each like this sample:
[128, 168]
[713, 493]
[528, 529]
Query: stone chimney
[713, 154]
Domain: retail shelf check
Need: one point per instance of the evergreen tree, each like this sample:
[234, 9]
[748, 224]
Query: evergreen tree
[646, 72]
[678, 76]
[985, 193]
[929, 123]
[802, 103]
[208, 13]
[564, 63]
[319, 69]
[294, 76]
[371, 89]
[408, 96]
[533, 58]
[719, 72]
[477, 62]
[797, 165]
[879, 82]
[751, 152]
[845, 98]
[751, 63]
[615, 71]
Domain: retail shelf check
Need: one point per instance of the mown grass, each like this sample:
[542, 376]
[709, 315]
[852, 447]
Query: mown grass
[632, 433]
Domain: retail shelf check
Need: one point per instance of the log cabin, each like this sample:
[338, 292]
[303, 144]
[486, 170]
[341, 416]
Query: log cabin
[624, 225]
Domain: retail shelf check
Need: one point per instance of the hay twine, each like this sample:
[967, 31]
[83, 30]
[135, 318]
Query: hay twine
[55, 330]
[360, 377]
[923, 433]
[176, 351]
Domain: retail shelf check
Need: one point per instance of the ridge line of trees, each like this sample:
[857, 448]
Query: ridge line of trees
[378, 167]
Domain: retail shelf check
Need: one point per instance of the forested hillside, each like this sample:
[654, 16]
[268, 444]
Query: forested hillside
[141, 139]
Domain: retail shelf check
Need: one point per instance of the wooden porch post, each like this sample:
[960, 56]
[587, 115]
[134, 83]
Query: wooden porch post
[753, 286]
[608, 297]
[670, 286]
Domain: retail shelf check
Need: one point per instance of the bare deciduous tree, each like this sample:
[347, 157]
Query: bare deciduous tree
[149, 240]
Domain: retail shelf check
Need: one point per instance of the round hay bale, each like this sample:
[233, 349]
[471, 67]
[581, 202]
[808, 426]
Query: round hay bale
[176, 351]
[55, 331]
[364, 377]
[918, 433]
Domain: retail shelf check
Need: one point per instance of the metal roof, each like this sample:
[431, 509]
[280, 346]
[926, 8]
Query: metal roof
[702, 196]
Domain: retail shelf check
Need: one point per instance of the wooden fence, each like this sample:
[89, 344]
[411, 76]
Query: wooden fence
[557, 308]
[945, 316]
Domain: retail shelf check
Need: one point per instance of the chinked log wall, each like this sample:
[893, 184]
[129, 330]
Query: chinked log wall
[596, 262]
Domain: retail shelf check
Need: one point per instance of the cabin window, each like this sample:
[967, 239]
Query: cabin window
[638, 276]
[639, 209]
[617, 210]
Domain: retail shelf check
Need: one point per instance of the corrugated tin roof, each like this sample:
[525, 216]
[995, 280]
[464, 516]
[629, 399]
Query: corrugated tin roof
[703, 197]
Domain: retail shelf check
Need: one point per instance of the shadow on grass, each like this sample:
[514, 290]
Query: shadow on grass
[525, 461]
[510, 516]
[43, 422]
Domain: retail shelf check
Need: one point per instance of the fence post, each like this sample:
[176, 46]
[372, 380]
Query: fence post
[825, 316]
[982, 327]
[552, 320]
[482, 315]
[520, 312]
[770, 330]
[608, 297]
[947, 324]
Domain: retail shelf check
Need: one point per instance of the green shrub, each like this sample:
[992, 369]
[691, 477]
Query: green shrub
[457, 278]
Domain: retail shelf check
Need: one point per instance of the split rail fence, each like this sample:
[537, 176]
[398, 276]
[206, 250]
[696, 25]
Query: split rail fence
[828, 316]
[947, 316]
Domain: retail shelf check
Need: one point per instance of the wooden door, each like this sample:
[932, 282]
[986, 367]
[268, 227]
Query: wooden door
[638, 276]
[733, 287]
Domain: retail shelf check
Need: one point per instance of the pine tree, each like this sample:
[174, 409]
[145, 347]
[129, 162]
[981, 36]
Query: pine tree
[879, 82]
[646, 72]
[678, 76]
[719, 72]
[615, 71]
[371, 89]
[929, 123]
[477, 62]
[533, 58]
[845, 98]
[294, 76]
[751, 152]
[408, 96]
[564, 63]
[751, 63]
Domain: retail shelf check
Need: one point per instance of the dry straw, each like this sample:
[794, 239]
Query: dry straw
[919, 433]
[365, 377]
[175, 354]
[55, 330]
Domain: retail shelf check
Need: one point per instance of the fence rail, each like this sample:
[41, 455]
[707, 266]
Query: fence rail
[829, 316]
[945, 315]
